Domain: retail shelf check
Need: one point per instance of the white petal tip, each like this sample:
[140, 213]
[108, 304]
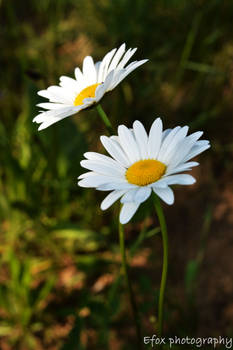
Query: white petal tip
[121, 127]
[136, 122]
[103, 207]
[142, 61]
[82, 183]
[103, 138]
[123, 222]
[86, 154]
[42, 127]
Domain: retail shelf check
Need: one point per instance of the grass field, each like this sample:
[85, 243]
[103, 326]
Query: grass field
[61, 286]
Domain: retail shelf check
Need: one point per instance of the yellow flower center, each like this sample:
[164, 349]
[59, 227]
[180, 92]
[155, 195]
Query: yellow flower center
[87, 92]
[145, 172]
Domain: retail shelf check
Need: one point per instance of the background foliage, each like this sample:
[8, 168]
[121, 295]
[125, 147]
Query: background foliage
[60, 281]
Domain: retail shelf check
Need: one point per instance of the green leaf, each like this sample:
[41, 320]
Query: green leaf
[142, 237]
[85, 240]
[191, 275]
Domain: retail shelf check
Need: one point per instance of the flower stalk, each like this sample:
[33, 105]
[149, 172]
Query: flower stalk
[163, 228]
[105, 119]
[129, 286]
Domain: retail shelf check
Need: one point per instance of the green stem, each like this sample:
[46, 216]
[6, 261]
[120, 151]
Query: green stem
[105, 119]
[163, 228]
[129, 286]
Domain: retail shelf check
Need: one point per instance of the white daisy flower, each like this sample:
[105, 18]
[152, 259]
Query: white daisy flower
[88, 87]
[140, 164]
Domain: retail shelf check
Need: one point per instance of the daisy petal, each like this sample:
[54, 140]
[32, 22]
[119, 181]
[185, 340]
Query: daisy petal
[141, 138]
[181, 168]
[57, 98]
[108, 81]
[96, 180]
[47, 118]
[70, 83]
[128, 143]
[117, 57]
[104, 65]
[100, 91]
[183, 148]
[180, 179]
[79, 77]
[126, 58]
[89, 71]
[129, 196]
[111, 198]
[166, 194]
[59, 94]
[142, 194]
[97, 67]
[116, 79]
[195, 151]
[103, 159]
[171, 149]
[130, 69]
[155, 138]
[101, 168]
[116, 186]
[127, 212]
[115, 150]
[166, 141]
[84, 175]
[165, 133]
[51, 106]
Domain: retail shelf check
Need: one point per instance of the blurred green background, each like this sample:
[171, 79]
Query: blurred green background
[60, 282]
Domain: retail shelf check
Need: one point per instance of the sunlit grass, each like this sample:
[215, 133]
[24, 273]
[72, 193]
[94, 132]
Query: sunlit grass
[51, 262]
